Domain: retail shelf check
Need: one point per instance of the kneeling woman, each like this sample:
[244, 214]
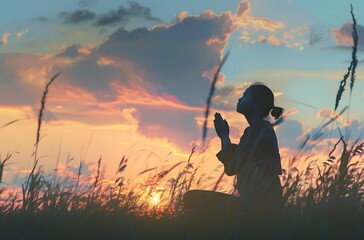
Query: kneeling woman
[255, 160]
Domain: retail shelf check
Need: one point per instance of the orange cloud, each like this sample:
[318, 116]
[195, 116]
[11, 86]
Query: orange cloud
[287, 40]
[259, 23]
[4, 38]
[271, 39]
[182, 15]
[106, 61]
[242, 18]
[140, 96]
[22, 33]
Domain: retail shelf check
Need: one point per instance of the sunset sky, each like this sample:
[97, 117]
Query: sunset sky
[136, 75]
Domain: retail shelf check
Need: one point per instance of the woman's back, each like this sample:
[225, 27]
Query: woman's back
[257, 147]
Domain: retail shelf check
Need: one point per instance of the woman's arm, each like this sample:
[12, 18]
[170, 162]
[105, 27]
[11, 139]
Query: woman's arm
[227, 154]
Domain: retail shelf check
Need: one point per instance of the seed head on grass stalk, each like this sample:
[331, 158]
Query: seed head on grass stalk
[352, 67]
[355, 48]
[342, 87]
[208, 104]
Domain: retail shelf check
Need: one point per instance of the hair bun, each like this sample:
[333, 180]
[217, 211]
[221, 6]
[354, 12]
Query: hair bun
[277, 112]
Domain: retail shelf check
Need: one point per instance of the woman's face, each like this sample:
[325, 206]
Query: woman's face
[246, 103]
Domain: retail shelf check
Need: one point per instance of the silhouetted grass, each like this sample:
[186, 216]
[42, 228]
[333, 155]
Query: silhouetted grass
[352, 67]
[209, 98]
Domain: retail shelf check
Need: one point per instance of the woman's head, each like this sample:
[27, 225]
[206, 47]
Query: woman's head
[258, 98]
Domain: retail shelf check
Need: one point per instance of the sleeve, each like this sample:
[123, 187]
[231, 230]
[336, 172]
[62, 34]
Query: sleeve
[226, 156]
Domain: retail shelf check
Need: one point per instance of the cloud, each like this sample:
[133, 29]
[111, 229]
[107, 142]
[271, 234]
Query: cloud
[292, 134]
[121, 15]
[123, 73]
[255, 24]
[287, 40]
[25, 74]
[10, 81]
[354, 127]
[301, 29]
[343, 35]
[289, 133]
[41, 19]
[258, 23]
[70, 51]
[242, 18]
[86, 3]
[22, 33]
[163, 73]
[182, 15]
[226, 95]
[271, 39]
[74, 51]
[316, 35]
[187, 42]
[78, 16]
[4, 38]
[325, 113]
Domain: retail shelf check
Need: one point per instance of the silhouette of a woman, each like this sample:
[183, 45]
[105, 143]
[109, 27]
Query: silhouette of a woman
[255, 160]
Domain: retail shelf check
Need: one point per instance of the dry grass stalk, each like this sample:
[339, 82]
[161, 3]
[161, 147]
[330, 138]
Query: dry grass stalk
[208, 104]
[40, 115]
[12, 122]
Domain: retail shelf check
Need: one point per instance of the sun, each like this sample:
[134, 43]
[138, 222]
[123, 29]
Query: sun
[155, 200]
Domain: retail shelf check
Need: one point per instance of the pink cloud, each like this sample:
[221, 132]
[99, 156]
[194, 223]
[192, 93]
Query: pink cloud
[343, 35]
[210, 74]
[4, 38]
[325, 113]
[140, 96]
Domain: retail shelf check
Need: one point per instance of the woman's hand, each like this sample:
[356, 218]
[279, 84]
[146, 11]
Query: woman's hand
[221, 126]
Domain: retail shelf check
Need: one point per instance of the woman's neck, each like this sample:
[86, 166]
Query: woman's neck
[254, 119]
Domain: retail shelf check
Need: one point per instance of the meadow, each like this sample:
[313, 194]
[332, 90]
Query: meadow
[323, 201]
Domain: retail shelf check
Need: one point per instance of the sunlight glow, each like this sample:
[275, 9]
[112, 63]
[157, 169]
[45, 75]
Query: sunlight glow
[155, 200]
